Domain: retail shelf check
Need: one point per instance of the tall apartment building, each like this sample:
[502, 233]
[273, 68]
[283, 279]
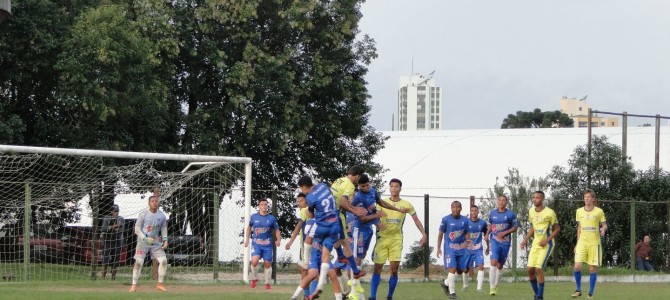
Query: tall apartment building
[578, 110]
[419, 103]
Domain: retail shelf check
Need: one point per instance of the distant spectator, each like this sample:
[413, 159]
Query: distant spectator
[643, 254]
[112, 235]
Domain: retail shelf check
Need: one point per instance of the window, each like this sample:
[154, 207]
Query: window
[580, 108]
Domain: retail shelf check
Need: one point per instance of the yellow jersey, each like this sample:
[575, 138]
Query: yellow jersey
[589, 225]
[542, 222]
[304, 217]
[394, 220]
[342, 187]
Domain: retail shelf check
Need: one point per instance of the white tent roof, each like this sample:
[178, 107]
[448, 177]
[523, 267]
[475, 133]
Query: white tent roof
[459, 163]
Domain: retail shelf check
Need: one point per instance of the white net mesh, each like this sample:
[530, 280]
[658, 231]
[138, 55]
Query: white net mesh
[53, 210]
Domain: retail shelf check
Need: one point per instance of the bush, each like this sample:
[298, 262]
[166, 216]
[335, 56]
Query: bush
[414, 258]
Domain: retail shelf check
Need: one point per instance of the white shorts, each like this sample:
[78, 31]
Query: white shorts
[142, 249]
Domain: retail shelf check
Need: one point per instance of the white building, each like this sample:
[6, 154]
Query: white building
[419, 103]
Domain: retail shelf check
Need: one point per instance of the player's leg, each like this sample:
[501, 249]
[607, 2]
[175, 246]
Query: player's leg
[480, 273]
[337, 290]
[159, 255]
[267, 264]
[140, 254]
[493, 270]
[580, 256]
[380, 254]
[543, 256]
[312, 273]
[256, 253]
[594, 260]
[504, 252]
[469, 260]
[330, 234]
[450, 264]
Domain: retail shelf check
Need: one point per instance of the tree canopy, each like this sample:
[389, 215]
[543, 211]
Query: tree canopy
[537, 119]
[281, 82]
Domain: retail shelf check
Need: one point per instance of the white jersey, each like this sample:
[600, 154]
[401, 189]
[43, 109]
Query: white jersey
[151, 225]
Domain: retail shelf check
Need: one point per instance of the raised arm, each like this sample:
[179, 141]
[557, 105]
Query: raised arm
[388, 206]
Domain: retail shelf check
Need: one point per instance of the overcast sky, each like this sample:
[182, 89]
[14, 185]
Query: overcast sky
[493, 58]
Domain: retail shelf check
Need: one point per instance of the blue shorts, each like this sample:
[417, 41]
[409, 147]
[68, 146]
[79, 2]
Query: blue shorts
[457, 261]
[326, 235]
[499, 252]
[475, 259]
[264, 252]
[359, 240]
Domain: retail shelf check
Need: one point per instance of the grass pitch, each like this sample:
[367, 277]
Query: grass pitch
[428, 290]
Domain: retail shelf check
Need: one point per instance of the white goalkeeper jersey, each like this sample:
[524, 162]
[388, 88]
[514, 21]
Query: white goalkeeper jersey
[151, 225]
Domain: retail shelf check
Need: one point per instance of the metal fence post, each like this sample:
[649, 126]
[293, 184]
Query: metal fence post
[426, 246]
[26, 230]
[274, 245]
[632, 234]
[214, 246]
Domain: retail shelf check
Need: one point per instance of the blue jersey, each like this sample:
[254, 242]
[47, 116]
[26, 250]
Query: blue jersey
[476, 230]
[322, 204]
[454, 230]
[501, 221]
[263, 229]
[368, 201]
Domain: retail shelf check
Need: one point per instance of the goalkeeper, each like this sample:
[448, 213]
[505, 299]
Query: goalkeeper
[151, 231]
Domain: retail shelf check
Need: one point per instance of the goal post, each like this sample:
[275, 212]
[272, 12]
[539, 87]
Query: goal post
[54, 203]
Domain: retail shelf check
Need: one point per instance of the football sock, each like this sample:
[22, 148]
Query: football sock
[137, 270]
[352, 263]
[322, 276]
[162, 268]
[268, 275]
[374, 284]
[343, 284]
[254, 271]
[499, 275]
[451, 282]
[393, 282]
[465, 279]
[297, 292]
[533, 284]
[338, 296]
[540, 289]
[480, 279]
[492, 276]
[593, 277]
[578, 280]
[307, 251]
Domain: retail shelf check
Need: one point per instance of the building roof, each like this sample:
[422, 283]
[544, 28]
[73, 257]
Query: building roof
[460, 163]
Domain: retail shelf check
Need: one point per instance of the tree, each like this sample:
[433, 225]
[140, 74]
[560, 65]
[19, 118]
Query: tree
[281, 82]
[537, 119]
[616, 185]
[414, 258]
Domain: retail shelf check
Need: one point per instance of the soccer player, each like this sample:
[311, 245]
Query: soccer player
[263, 225]
[343, 191]
[300, 229]
[544, 228]
[477, 229]
[360, 231]
[503, 223]
[455, 227]
[590, 227]
[389, 237]
[325, 231]
[151, 231]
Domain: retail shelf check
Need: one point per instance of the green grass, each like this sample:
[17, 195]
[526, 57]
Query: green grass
[119, 290]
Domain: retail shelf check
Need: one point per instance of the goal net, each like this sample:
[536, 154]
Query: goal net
[59, 219]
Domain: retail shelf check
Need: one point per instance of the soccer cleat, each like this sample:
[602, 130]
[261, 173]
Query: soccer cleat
[315, 295]
[253, 283]
[492, 292]
[576, 294]
[133, 288]
[535, 297]
[590, 297]
[453, 296]
[267, 286]
[161, 287]
[360, 274]
[445, 288]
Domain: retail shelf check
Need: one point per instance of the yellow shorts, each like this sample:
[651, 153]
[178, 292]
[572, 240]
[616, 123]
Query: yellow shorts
[589, 254]
[539, 256]
[387, 249]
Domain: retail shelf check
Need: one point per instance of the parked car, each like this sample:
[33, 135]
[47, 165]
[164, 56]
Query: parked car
[186, 250]
[46, 244]
[79, 245]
